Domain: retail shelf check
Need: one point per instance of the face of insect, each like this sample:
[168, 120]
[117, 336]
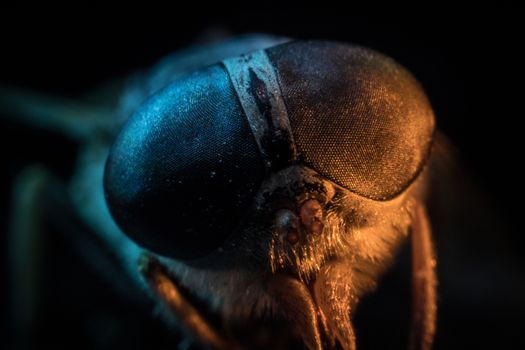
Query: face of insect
[274, 195]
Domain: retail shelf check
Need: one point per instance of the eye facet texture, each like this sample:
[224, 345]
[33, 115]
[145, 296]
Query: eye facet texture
[358, 117]
[184, 168]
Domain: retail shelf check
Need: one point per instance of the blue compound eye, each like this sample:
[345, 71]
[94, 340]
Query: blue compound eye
[185, 168]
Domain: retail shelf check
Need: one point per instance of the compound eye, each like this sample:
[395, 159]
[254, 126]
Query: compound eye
[184, 168]
[358, 117]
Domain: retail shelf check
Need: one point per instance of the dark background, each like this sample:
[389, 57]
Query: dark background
[466, 60]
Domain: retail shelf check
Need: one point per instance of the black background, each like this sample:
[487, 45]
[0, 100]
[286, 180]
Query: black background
[466, 60]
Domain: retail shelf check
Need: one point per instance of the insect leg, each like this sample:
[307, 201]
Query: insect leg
[423, 283]
[75, 119]
[164, 287]
[39, 199]
[24, 251]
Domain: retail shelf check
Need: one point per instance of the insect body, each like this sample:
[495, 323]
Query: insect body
[266, 193]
